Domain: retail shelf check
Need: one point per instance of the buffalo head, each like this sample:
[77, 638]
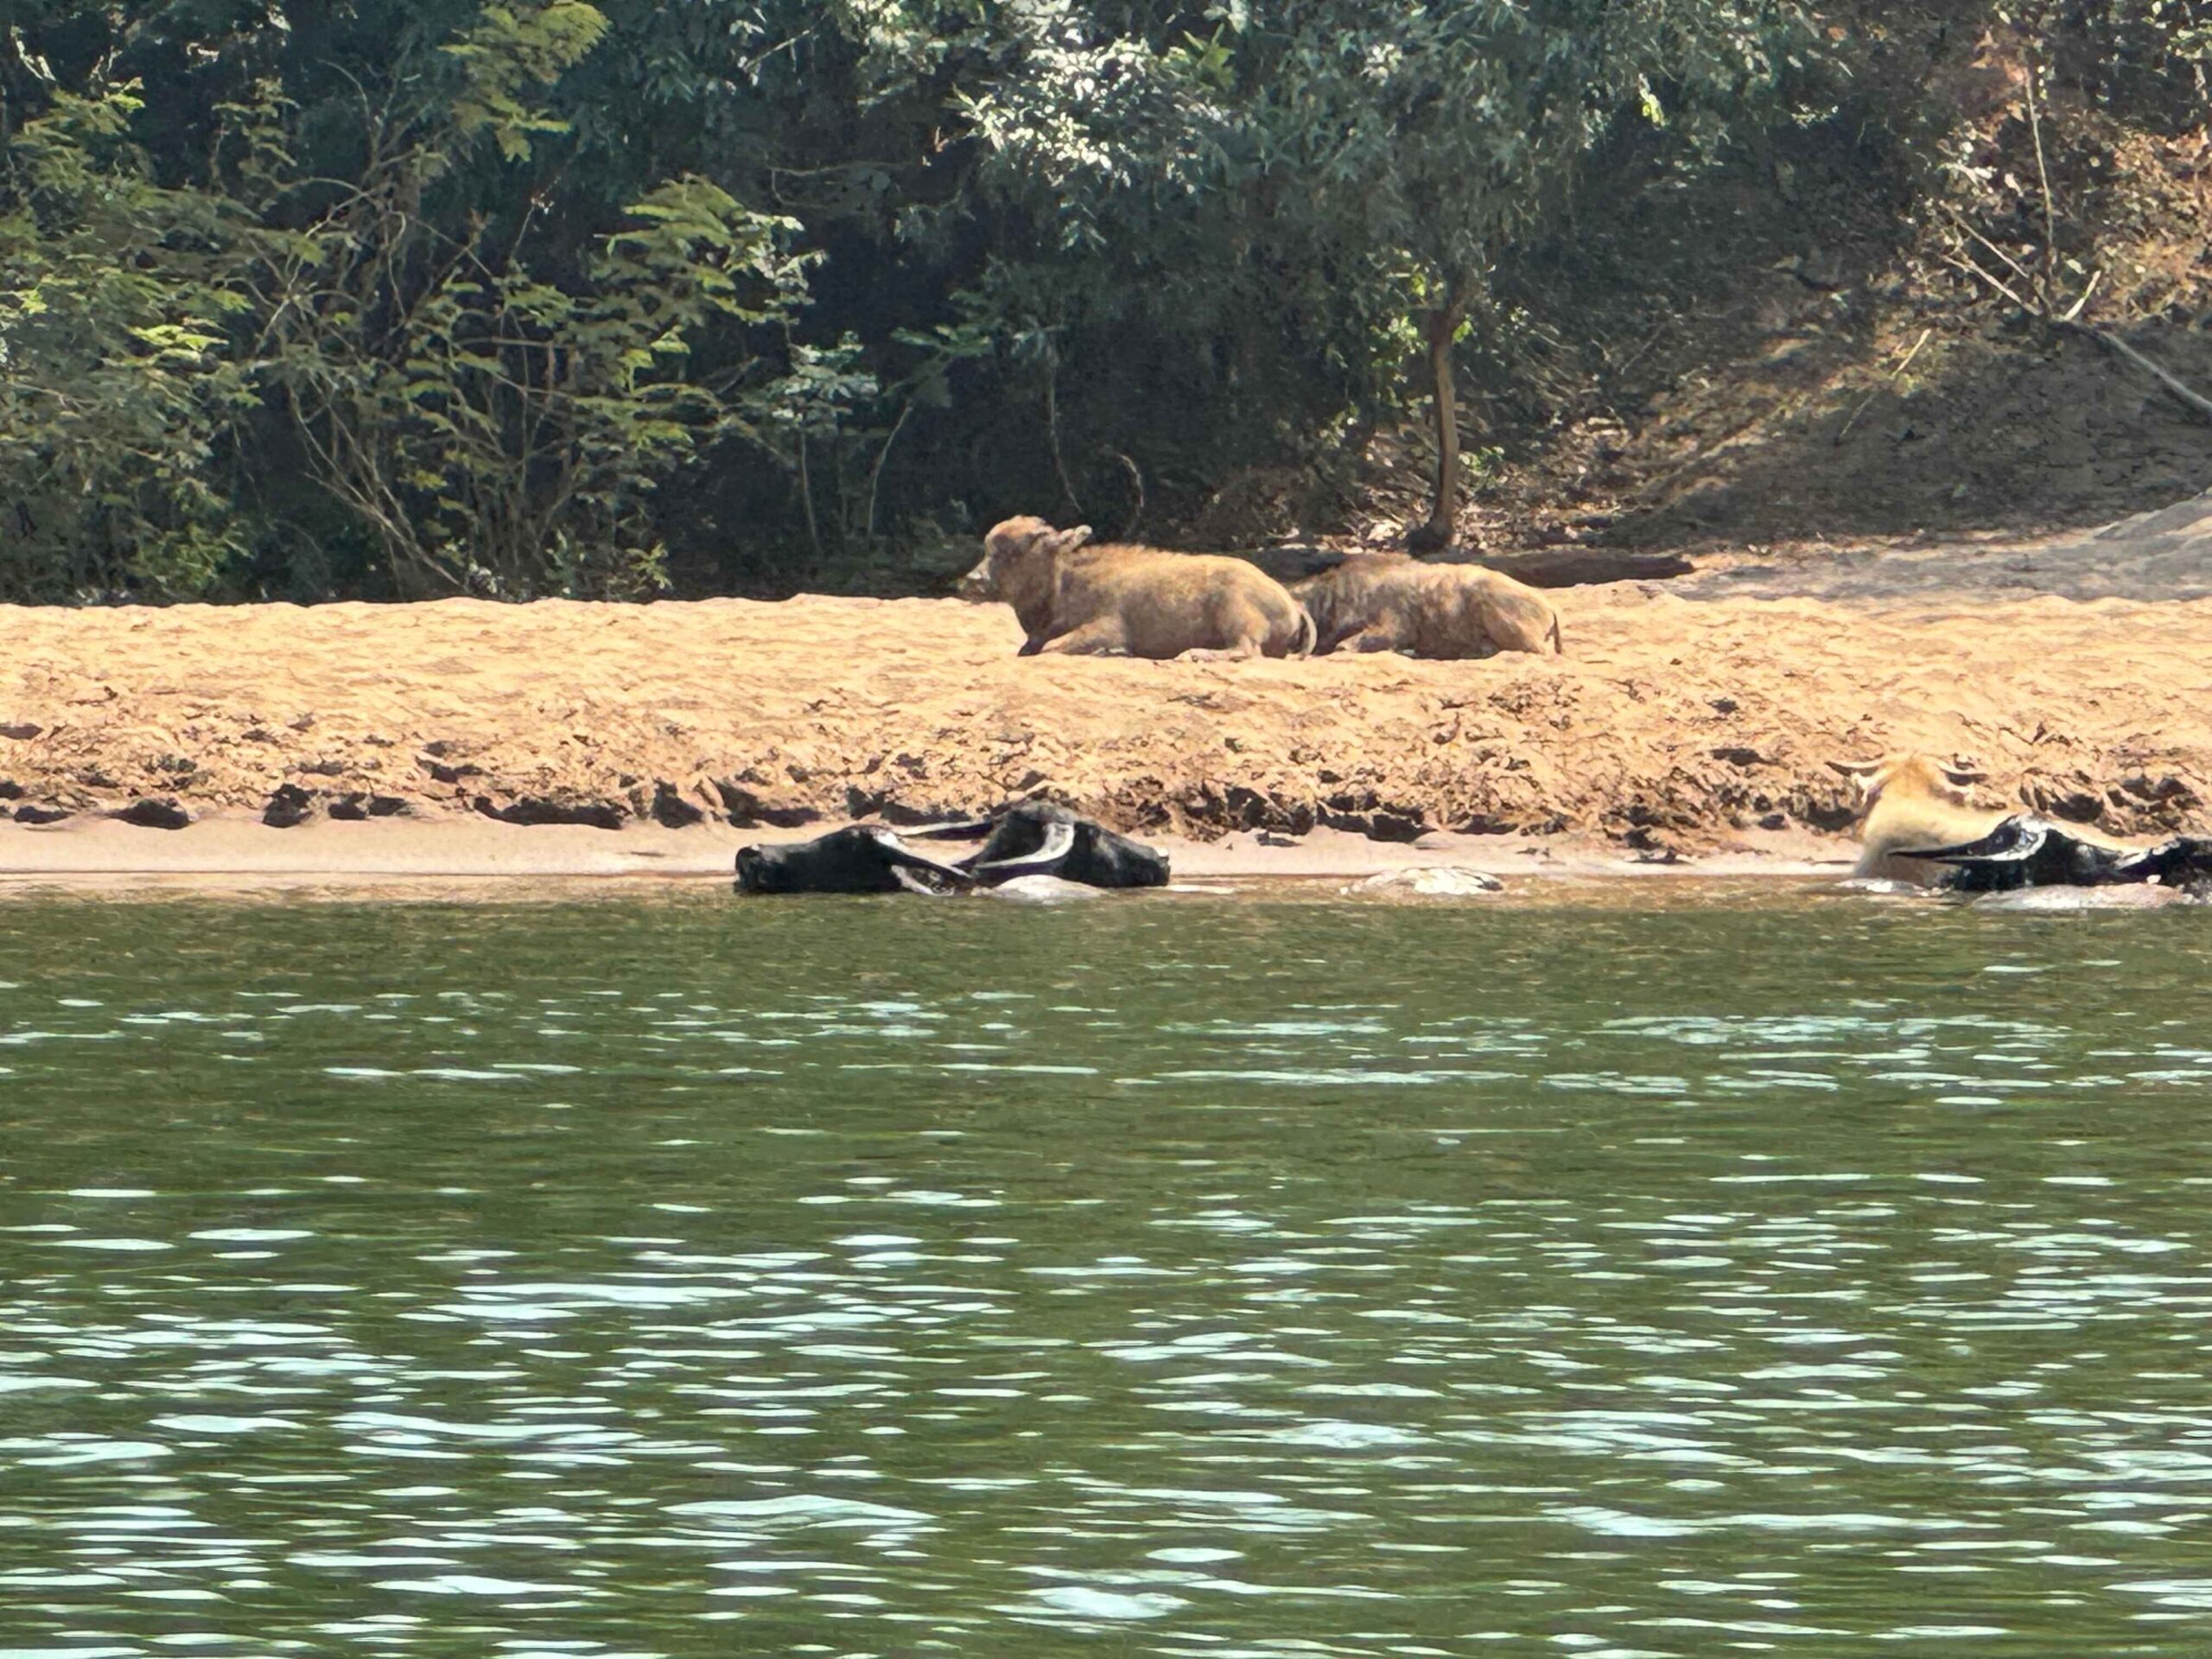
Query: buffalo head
[1018, 561]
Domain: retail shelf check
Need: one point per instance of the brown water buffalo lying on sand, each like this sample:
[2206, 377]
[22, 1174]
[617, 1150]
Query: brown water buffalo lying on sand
[1139, 601]
[1384, 602]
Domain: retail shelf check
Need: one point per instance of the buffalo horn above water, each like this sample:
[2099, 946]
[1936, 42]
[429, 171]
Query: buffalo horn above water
[1034, 838]
[2026, 851]
[867, 858]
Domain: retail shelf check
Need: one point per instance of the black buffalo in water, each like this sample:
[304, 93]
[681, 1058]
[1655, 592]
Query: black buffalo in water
[865, 859]
[1035, 838]
[2025, 851]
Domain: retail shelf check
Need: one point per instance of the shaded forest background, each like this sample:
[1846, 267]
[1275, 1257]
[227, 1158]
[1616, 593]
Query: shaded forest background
[394, 300]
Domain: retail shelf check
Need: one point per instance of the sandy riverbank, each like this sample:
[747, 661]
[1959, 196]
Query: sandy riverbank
[659, 738]
[402, 849]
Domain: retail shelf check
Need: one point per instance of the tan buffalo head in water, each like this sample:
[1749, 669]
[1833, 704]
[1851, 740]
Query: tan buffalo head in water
[1918, 776]
[1908, 802]
[1018, 559]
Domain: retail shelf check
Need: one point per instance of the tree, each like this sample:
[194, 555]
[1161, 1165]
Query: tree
[496, 429]
[1402, 146]
[117, 379]
[522, 296]
[361, 286]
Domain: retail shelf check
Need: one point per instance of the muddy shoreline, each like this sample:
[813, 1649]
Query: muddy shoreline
[465, 737]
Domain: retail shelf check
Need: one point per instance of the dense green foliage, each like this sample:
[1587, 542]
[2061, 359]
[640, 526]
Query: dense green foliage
[401, 298]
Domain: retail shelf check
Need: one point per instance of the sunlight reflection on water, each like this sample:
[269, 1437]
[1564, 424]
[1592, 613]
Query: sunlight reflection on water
[1205, 1279]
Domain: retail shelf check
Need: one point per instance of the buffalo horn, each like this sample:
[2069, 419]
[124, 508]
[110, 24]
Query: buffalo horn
[2012, 841]
[1059, 841]
[904, 858]
[960, 830]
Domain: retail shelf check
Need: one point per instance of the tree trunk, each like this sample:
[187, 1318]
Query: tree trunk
[1441, 325]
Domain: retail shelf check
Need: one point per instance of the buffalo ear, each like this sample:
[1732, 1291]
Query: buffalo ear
[1067, 540]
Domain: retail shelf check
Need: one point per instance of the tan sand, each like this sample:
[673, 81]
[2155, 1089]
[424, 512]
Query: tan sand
[401, 849]
[1672, 726]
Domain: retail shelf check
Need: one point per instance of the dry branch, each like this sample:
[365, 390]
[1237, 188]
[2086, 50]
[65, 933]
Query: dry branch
[2112, 342]
[1925, 335]
[2120, 347]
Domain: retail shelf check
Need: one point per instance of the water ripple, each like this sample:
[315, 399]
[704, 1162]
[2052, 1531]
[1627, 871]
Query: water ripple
[683, 1278]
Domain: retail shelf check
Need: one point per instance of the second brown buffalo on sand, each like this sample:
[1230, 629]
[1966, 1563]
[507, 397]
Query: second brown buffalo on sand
[1380, 602]
[1073, 597]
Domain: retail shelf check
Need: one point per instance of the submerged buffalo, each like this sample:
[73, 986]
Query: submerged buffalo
[2025, 851]
[1039, 838]
[867, 858]
[1908, 801]
[1033, 839]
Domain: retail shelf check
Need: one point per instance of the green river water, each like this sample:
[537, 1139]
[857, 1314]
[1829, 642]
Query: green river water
[1592, 1276]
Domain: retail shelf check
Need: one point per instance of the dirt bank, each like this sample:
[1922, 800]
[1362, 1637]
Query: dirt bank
[1674, 726]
